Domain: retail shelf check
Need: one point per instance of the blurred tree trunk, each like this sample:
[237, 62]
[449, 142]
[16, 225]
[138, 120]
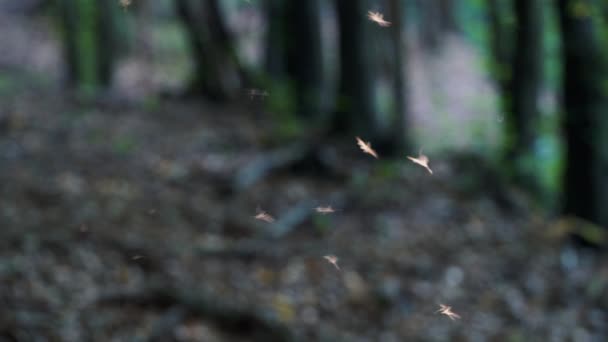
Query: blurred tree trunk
[527, 72]
[106, 40]
[68, 14]
[400, 131]
[218, 74]
[293, 53]
[89, 40]
[522, 119]
[585, 123]
[430, 24]
[501, 47]
[302, 42]
[355, 105]
[275, 54]
[447, 11]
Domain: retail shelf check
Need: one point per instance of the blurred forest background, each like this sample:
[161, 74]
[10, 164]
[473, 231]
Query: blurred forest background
[140, 139]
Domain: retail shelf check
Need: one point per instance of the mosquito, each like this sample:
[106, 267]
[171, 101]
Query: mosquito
[325, 210]
[332, 259]
[422, 160]
[447, 310]
[256, 92]
[378, 18]
[264, 216]
[366, 147]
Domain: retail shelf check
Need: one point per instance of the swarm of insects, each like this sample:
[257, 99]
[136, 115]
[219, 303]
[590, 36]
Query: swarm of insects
[325, 210]
[378, 18]
[264, 216]
[447, 310]
[366, 147]
[332, 259]
[422, 160]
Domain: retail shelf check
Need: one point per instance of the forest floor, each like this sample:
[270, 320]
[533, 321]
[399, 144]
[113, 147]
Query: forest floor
[125, 221]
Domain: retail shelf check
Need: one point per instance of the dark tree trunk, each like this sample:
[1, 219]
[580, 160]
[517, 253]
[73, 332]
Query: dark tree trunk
[218, 73]
[584, 125]
[89, 39]
[275, 53]
[527, 72]
[293, 53]
[355, 108]
[106, 41]
[447, 11]
[302, 42]
[501, 46]
[68, 13]
[400, 127]
[429, 26]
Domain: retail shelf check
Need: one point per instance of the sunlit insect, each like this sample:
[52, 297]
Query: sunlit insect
[264, 216]
[125, 3]
[332, 259]
[136, 257]
[257, 93]
[447, 310]
[325, 210]
[366, 147]
[422, 160]
[378, 18]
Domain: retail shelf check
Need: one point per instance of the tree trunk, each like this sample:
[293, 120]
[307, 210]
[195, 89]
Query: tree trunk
[447, 11]
[501, 46]
[527, 71]
[584, 125]
[89, 38]
[275, 54]
[218, 73]
[106, 41]
[302, 42]
[355, 105]
[294, 60]
[68, 13]
[429, 26]
[400, 93]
